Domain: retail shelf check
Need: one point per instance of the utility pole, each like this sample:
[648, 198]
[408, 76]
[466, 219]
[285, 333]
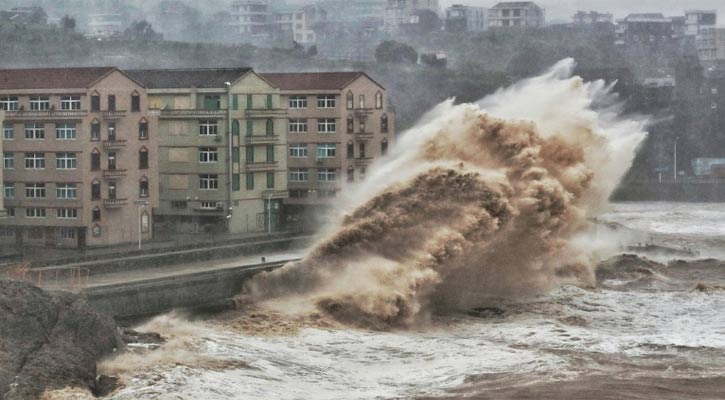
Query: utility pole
[675, 158]
[230, 161]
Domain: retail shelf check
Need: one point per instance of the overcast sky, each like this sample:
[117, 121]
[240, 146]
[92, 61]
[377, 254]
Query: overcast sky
[564, 9]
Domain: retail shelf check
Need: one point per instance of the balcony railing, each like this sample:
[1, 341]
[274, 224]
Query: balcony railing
[113, 114]
[261, 139]
[114, 203]
[55, 114]
[114, 173]
[114, 144]
[363, 161]
[265, 112]
[275, 194]
[261, 166]
[364, 111]
[192, 113]
[364, 135]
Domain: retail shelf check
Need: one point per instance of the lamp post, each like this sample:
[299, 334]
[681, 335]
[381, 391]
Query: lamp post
[141, 204]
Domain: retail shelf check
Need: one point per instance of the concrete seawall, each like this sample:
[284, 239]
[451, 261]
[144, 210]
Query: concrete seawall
[206, 289]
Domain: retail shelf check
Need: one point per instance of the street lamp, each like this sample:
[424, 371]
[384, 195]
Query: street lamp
[141, 204]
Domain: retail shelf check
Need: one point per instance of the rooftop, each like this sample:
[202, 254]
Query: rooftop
[187, 78]
[51, 78]
[312, 80]
[515, 4]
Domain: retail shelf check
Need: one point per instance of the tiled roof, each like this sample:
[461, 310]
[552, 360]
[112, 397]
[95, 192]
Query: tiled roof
[51, 78]
[311, 80]
[187, 78]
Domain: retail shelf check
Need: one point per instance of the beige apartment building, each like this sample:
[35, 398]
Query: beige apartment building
[337, 124]
[2, 183]
[79, 157]
[222, 150]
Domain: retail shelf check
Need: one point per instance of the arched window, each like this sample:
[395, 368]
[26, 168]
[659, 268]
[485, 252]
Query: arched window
[96, 214]
[384, 123]
[95, 160]
[362, 101]
[135, 102]
[350, 174]
[378, 100]
[350, 124]
[235, 128]
[96, 129]
[143, 129]
[350, 149]
[143, 187]
[350, 100]
[145, 222]
[95, 101]
[95, 190]
[384, 147]
[270, 127]
[143, 158]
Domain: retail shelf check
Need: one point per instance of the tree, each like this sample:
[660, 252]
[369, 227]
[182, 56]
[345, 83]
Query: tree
[142, 30]
[68, 23]
[394, 52]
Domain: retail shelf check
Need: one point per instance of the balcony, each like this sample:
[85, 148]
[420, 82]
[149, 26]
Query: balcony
[265, 112]
[267, 139]
[192, 114]
[363, 161]
[114, 203]
[364, 135]
[114, 144]
[113, 114]
[114, 174]
[275, 194]
[261, 166]
[53, 114]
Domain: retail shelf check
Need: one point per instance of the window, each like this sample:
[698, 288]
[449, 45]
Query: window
[384, 123]
[95, 190]
[95, 102]
[326, 125]
[350, 124]
[10, 211]
[143, 130]
[250, 102]
[236, 182]
[67, 233]
[95, 160]
[65, 161]
[66, 213]
[350, 149]
[143, 158]
[34, 212]
[39, 103]
[384, 147]
[66, 191]
[350, 101]
[208, 155]
[34, 131]
[235, 102]
[269, 129]
[70, 102]
[208, 128]
[212, 102]
[298, 126]
[326, 101]
[9, 160]
[9, 191]
[143, 187]
[35, 160]
[250, 154]
[96, 214]
[95, 130]
[235, 128]
[65, 131]
[298, 151]
[112, 191]
[326, 175]
[35, 190]
[362, 101]
[298, 102]
[8, 132]
[350, 174]
[362, 149]
[96, 230]
[9, 103]
[112, 161]
[235, 154]
[135, 102]
[208, 205]
[269, 102]
[112, 131]
[179, 204]
[298, 175]
[111, 102]
[326, 150]
[250, 181]
[270, 153]
[378, 100]
[208, 182]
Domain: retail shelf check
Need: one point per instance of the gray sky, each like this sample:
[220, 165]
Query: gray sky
[564, 9]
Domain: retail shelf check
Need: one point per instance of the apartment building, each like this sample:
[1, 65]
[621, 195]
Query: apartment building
[79, 157]
[338, 123]
[222, 149]
[462, 18]
[516, 14]
[403, 12]
[2, 183]
[252, 20]
[650, 29]
[711, 45]
[592, 18]
[696, 20]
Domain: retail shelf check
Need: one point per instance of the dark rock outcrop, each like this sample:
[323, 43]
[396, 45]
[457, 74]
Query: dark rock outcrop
[49, 341]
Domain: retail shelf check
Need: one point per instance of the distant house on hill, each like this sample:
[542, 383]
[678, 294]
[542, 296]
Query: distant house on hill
[516, 14]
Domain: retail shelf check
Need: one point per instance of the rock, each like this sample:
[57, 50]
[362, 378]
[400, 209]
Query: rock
[105, 385]
[49, 341]
[131, 336]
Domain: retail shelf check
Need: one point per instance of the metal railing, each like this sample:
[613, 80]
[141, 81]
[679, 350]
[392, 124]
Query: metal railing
[114, 173]
[114, 203]
[34, 114]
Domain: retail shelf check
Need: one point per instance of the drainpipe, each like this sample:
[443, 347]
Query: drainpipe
[230, 163]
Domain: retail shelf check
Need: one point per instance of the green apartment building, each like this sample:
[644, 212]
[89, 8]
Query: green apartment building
[222, 149]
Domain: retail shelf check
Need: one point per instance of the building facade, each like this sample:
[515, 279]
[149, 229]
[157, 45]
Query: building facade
[711, 45]
[460, 18]
[645, 29]
[696, 20]
[222, 149]
[79, 157]
[338, 123]
[516, 14]
[592, 17]
[252, 20]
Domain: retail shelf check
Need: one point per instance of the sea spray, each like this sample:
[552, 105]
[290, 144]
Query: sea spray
[478, 202]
